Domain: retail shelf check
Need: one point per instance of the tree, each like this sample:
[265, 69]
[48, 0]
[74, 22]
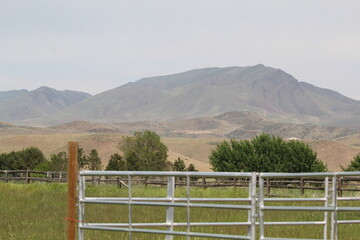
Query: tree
[265, 153]
[28, 158]
[354, 165]
[179, 165]
[144, 152]
[191, 168]
[93, 160]
[116, 163]
[59, 162]
[82, 159]
[5, 162]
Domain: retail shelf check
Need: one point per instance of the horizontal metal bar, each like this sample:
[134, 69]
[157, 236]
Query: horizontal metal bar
[286, 208]
[349, 198]
[191, 234]
[203, 224]
[289, 238]
[182, 224]
[355, 209]
[294, 199]
[165, 174]
[171, 200]
[315, 175]
[165, 204]
[293, 223]
[348, 221]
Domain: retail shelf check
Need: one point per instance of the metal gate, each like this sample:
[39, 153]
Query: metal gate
[254, 204]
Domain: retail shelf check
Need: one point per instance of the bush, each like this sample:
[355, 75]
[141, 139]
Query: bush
[265, 153]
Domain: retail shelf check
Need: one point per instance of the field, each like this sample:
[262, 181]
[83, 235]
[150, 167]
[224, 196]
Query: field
[38, 211]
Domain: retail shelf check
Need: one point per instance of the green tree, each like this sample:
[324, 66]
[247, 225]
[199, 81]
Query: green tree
[93, 160]
[354, 165]
[116, 163]
[82, 159]
[191, 168]
[179, 165]
[265, 153]
[144, 152]
[28, 158]
[5, 162]
[59, 162]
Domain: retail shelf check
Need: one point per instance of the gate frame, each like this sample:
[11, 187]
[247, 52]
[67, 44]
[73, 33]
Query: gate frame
[256, 204]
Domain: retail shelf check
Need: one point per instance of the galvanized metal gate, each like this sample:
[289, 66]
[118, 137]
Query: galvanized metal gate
[254, 204]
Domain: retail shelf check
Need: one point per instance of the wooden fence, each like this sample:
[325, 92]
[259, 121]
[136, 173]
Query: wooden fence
[350, 184]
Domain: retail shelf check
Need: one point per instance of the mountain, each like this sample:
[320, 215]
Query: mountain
[22, 105]
[196, 93]
[213, 91]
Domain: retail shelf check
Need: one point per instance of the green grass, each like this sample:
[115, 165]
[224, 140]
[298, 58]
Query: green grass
[38, 211]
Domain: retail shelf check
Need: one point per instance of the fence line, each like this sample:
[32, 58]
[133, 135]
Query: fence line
[345, 183]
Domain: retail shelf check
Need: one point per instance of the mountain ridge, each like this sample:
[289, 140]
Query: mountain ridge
[209, 92]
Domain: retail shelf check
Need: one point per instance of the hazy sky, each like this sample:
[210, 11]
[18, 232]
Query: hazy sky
[94, 46]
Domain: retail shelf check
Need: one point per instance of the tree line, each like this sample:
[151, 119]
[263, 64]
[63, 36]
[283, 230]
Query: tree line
[145, 152]
[142, 152]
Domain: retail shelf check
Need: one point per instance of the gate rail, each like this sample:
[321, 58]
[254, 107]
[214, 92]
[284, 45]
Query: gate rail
[254, 204]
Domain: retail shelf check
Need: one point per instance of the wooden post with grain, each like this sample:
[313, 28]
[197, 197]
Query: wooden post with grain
[72, 181]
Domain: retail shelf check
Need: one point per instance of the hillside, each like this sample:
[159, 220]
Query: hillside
[209, 92]
[238, 125]
[23, 105]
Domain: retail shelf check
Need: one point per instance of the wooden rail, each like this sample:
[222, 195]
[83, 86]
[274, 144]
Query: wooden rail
[28, 176]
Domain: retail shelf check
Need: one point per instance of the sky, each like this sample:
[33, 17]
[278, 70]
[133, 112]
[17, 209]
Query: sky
[94, 46]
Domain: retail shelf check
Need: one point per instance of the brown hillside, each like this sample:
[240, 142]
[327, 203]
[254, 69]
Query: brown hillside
[334, 154]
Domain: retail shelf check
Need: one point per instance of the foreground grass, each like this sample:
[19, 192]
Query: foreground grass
[38, 211]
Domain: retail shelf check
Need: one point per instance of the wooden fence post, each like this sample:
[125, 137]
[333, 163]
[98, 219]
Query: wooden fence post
[268, 186]
[340, 186]
[27, 180]
[72, 181]
[6, 176]
[302, 186]
[118, 182]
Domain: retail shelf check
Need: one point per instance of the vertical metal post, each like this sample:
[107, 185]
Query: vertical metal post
[72, 180]
[334, 213]
[130, 207]
[326, 204]
[170, 210]
[81, 207]
[261, 205]
[188, 205]
[268, 186]
[252, 212]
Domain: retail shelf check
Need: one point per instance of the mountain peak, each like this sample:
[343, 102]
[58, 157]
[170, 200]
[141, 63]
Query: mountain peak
[43, 89]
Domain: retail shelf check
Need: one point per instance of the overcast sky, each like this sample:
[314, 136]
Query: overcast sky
[94, 46]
